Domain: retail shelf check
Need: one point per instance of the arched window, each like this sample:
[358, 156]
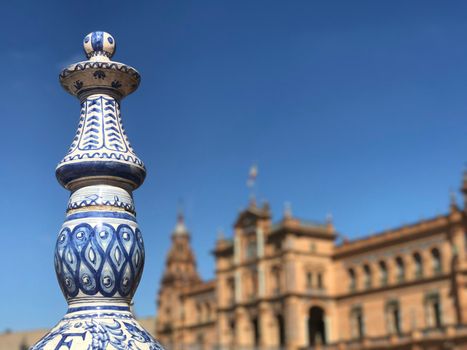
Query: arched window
[367, 274]
[418, 263]
[352, 280]
[316, 326]
[383, 273]
[436, 261]
[400, 269]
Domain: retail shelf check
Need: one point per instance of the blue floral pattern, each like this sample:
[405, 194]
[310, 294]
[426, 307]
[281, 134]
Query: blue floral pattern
[108, 334]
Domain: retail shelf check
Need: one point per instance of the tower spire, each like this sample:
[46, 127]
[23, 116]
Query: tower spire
[288, 210]
[99, 255]
[251, 183]
[452, 200]
[180, 227]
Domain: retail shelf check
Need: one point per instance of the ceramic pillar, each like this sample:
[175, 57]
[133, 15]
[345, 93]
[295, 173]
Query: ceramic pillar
[99, 255]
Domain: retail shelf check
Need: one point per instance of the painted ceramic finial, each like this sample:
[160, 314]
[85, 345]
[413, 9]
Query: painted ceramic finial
[99, 45]
[99, 72]
[99, 255]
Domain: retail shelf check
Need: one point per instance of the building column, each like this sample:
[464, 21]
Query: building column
[243, 329]
[292, 335]
[327, 328]
[289, 272]
[267, 339]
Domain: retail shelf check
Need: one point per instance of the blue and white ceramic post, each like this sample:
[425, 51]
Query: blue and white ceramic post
[99, 256]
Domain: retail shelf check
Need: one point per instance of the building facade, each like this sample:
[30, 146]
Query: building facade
[296, 284]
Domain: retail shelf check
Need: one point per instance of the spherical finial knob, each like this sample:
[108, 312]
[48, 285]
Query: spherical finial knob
[99, 44]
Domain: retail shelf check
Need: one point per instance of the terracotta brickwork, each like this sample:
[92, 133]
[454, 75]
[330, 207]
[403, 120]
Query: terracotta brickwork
[296, 284]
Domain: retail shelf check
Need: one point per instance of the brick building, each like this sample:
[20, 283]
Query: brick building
[294, 284]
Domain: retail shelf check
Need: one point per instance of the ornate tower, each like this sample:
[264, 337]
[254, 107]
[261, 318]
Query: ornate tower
[180, 267]
[99, 255]
[180, 272]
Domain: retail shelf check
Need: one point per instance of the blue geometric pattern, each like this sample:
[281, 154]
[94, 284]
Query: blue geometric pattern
[99, 259]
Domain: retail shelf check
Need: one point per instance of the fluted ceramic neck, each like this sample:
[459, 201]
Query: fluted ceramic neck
[101, 151]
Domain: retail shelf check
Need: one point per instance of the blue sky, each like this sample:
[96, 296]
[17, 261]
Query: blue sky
[355, 108]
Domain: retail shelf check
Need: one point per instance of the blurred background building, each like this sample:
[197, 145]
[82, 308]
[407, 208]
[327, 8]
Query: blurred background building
[297, 284]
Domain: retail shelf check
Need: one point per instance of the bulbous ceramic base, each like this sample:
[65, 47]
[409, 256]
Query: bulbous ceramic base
[98, 328]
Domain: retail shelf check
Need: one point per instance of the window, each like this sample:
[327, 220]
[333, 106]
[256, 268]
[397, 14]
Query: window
[352, 280]
[181, 312]
[256, 331]
[393, 317]
[208, 311]
[400, 269]
[383, 271]
[254, 283]
[418, 265]
[199, 312]
[312, 247]
[276, 280]
[309, 280]
[367, 272]
[281, 330]
[436, 261]
[433, 310]
[251, 250]
[357, 322]
[232, 331]
[231, 290]
[320, 280]
[200, 339]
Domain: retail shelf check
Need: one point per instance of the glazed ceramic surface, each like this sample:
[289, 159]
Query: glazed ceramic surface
[99, 255]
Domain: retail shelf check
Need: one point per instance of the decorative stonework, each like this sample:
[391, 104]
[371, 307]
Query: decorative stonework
[99, 255]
